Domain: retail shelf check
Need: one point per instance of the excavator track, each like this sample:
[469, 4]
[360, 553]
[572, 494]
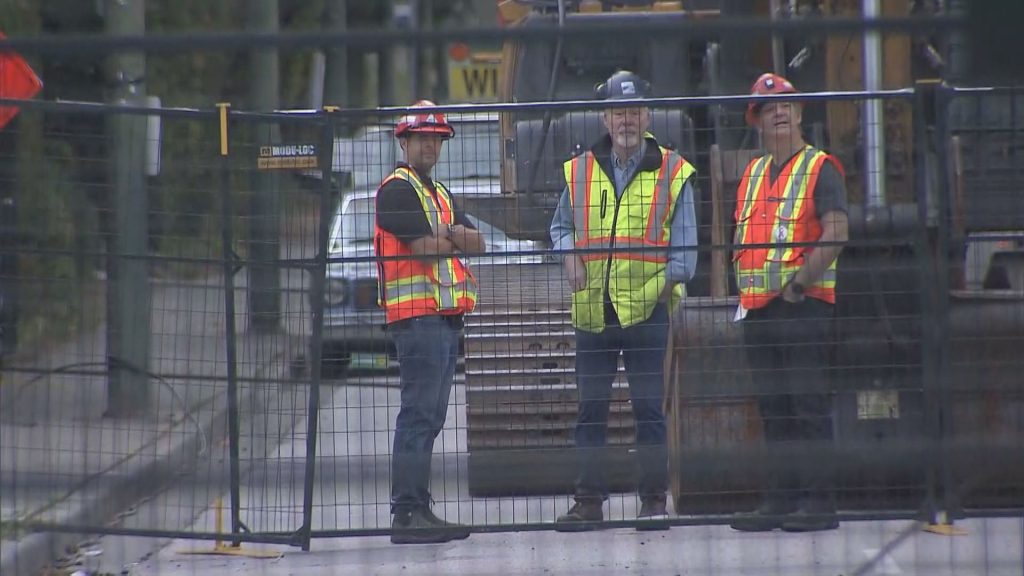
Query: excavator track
[521, 398]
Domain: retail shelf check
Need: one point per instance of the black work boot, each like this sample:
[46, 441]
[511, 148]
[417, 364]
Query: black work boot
[653, 513]
[581, 516]
[456, 531]
[768, 516]
[412, 526]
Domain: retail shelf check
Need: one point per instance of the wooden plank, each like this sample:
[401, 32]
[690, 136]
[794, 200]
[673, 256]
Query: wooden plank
[719, 273]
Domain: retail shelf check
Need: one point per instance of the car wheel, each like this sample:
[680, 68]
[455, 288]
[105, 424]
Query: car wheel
[334, 360]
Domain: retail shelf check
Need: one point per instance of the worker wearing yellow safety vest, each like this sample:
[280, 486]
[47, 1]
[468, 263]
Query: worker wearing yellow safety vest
[790, 223]
[425, 289]
[626, 227]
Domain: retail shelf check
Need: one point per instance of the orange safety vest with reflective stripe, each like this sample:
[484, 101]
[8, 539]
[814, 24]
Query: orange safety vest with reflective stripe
[635, 230]
[773, 218]
[413, 285]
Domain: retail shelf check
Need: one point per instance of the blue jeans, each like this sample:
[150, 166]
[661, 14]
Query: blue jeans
[428, 347]
[597, 361]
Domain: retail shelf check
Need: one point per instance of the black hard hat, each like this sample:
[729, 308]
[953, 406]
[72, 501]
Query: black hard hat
[623, 85]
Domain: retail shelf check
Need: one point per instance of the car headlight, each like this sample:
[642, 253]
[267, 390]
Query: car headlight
[335, 292]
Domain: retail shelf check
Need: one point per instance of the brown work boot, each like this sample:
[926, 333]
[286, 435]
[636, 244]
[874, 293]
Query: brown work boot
[653, 513]
[581, 516]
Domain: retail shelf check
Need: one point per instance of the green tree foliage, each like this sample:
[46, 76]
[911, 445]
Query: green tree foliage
[57, 164]
[50, 288]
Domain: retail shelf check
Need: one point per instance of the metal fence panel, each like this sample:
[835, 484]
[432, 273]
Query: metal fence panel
[213, 397]
[213, 330]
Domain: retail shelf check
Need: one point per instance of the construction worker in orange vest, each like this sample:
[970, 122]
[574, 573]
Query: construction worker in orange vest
[791, 221]
[425, 289]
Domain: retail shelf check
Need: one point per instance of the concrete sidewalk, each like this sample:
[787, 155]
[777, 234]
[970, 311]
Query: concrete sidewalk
[351, 492]
[991, 547]
[63, 463]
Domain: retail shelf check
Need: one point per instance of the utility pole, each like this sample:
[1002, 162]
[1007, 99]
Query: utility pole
[386, 62]
[336, 83]
[128, 294]
[416, 51]
[265, 206]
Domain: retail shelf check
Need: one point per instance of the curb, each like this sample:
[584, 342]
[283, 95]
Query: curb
[133, 481]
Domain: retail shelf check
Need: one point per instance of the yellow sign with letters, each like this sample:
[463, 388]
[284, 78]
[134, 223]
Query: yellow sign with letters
[473, 81]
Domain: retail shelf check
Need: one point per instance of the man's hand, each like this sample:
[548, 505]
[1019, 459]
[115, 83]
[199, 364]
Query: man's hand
[466, 239]
[789, 295]
[576, 272]
[457, 234]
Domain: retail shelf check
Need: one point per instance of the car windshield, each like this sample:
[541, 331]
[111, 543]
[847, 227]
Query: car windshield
[473, 153]
[368, 158]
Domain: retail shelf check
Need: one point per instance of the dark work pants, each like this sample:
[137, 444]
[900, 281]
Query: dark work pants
[642, 347]
[788, 349]
[428, 348]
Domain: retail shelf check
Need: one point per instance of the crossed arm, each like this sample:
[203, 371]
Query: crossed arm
[462, 239]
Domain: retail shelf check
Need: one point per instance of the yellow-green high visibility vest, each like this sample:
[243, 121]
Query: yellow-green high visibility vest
[635, 229]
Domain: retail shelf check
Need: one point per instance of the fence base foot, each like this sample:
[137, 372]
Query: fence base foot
[226, 550]
[944, 527]
[222, 549]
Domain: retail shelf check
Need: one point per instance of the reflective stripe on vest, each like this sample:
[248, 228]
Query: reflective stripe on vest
[656, 233]
[444, 269]
[771, 267]
[626, 238]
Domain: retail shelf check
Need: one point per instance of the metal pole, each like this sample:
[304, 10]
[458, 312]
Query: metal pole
[778, 47]
[264, 246]
[385, 63]
[873, 121]
[228, 267]
[942, 333]
[416, 54]
[956, 49]
[922, 248]
[319, 271]
[128, 306]
[336, 81]
[317, 71]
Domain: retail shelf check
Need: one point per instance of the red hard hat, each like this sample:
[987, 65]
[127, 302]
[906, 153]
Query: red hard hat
[429, 123]
[767, 83]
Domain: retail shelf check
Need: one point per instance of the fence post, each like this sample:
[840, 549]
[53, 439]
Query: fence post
[229, 269]
[941, 290]
[922, 248]
[319, 272]
[932, 187]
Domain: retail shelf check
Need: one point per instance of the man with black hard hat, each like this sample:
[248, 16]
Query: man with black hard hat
[627, 229]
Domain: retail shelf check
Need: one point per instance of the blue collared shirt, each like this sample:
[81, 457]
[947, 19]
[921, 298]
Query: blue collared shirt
[682, 258]
[622, 174]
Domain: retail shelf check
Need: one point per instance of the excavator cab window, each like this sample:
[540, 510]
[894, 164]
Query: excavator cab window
[535, 145]
[585, 61]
